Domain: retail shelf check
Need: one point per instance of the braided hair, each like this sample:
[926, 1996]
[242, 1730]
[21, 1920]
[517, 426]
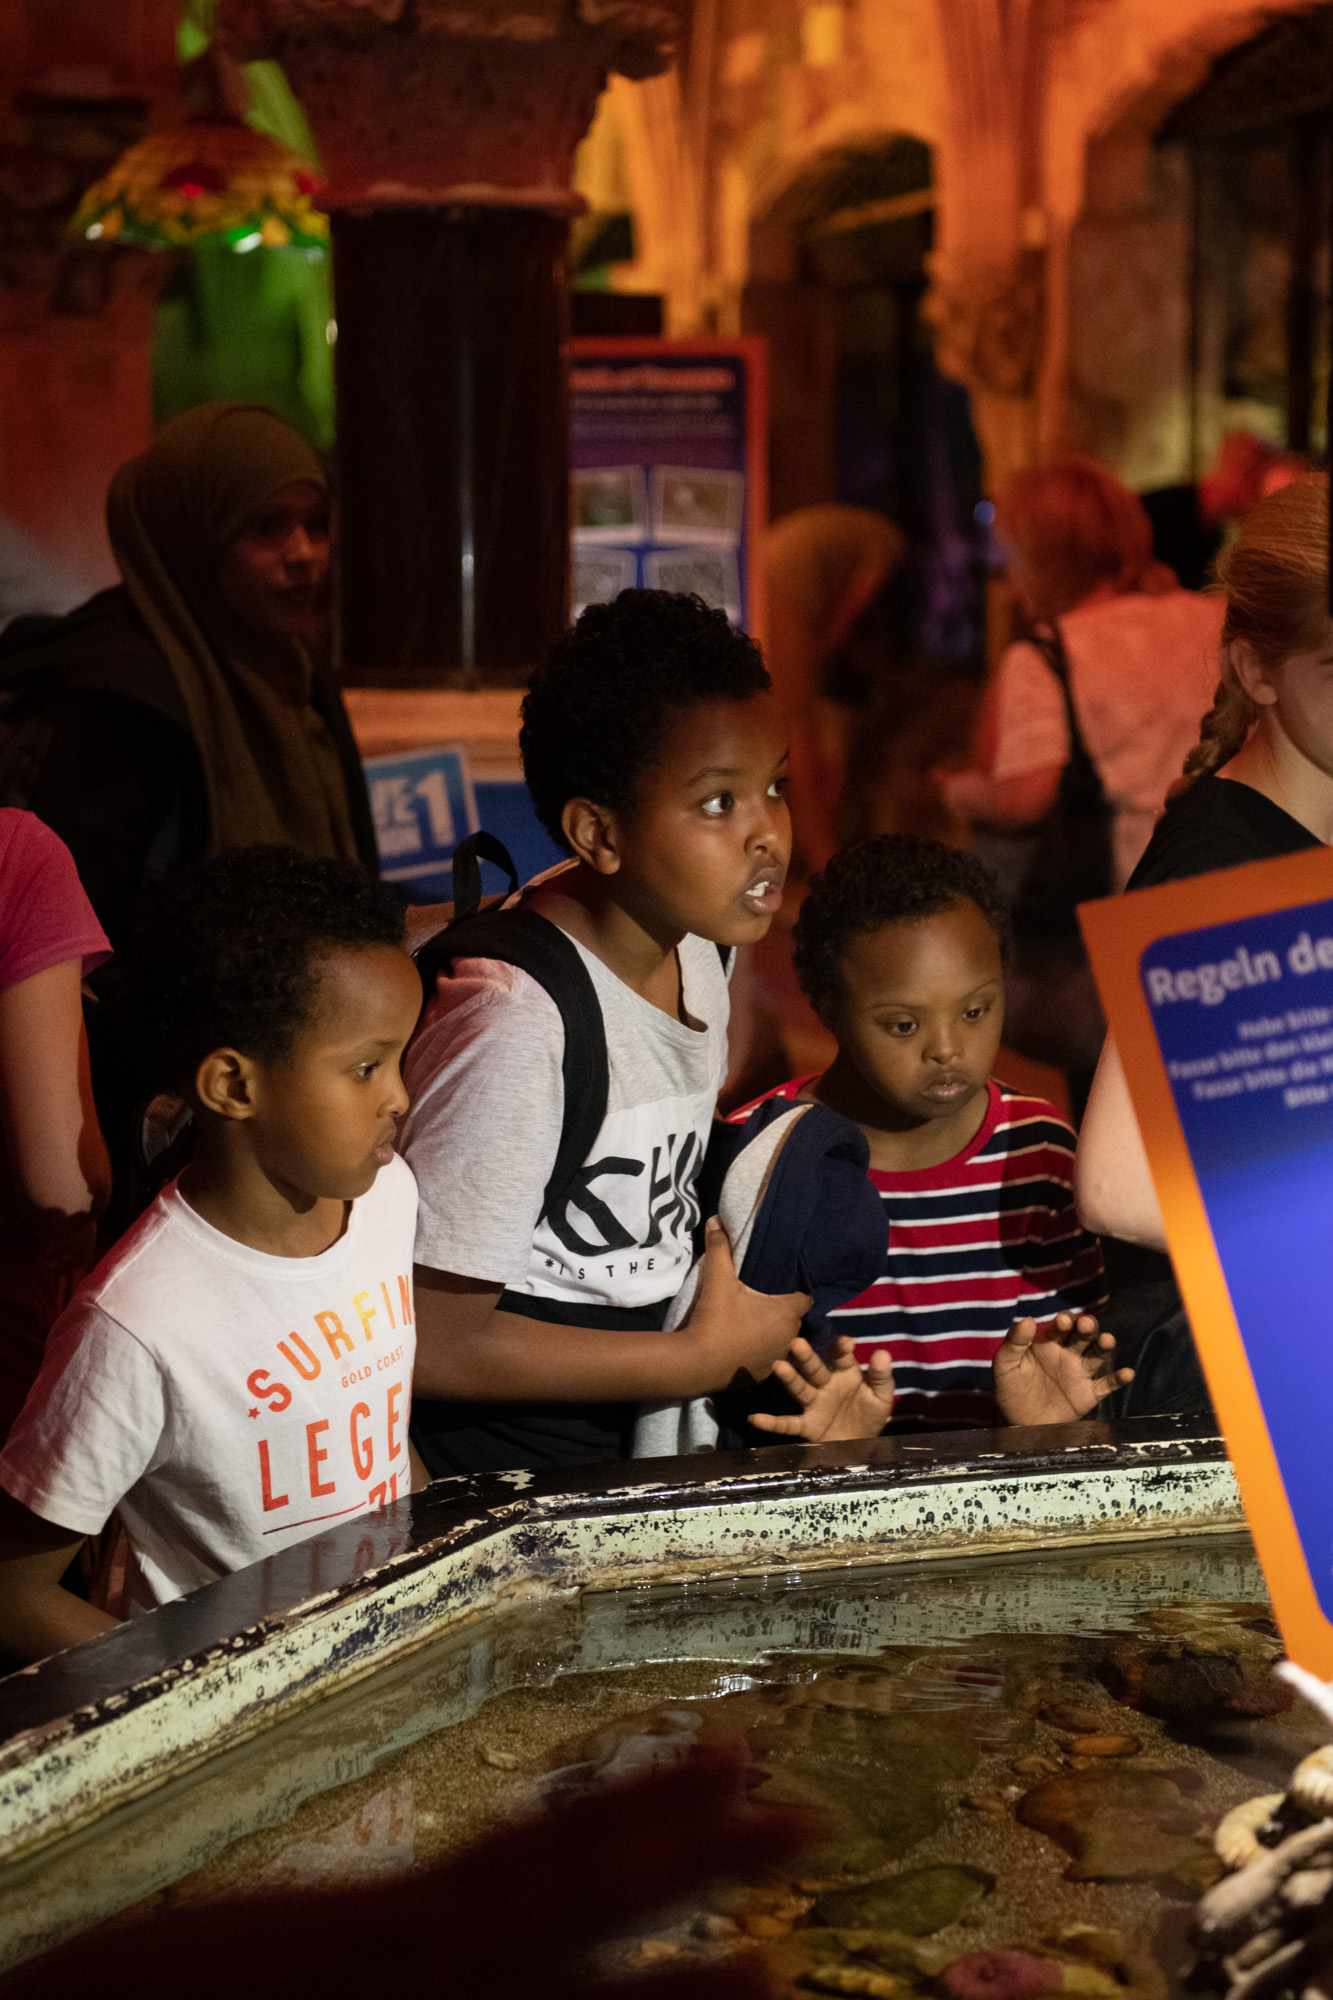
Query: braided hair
[1275, 576]
[1223, 731]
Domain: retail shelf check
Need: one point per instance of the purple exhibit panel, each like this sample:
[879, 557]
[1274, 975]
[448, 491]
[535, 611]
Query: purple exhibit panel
[662, 487]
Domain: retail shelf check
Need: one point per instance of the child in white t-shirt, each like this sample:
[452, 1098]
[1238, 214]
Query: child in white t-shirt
[238, 1371]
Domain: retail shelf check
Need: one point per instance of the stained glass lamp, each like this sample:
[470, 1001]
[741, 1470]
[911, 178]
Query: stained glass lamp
[211, 177]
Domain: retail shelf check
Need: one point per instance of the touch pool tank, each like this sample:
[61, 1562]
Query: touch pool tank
[1023, 1675]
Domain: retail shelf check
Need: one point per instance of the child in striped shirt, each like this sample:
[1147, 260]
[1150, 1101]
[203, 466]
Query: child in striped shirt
[987, 1301]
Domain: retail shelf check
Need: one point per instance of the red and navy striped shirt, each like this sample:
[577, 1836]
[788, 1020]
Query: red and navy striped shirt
[985, 1238]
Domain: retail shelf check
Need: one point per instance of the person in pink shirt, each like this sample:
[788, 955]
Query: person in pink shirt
[54, 1174]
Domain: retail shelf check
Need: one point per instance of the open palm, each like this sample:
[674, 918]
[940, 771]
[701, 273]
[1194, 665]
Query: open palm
[838, 1398]
[1056, 1377]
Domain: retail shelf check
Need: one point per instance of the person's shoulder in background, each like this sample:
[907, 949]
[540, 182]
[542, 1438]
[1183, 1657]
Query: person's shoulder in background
[1165, 640]
[1217, 823]
[1186, 612]
[101, 647]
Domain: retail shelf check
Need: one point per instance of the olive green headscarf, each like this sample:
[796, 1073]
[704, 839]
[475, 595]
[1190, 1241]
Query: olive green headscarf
[270, 765]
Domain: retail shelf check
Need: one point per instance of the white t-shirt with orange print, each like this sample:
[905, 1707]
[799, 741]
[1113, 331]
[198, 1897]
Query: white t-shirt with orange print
[222, 1401]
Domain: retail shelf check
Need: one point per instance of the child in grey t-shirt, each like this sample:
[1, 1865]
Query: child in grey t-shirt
[655, 755]
[486, 1083]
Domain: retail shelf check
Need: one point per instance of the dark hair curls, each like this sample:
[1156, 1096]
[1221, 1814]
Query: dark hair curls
[597, 708]
[894, 878]
[228, 955]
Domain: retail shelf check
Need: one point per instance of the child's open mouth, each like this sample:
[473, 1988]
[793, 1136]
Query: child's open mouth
[763, 895]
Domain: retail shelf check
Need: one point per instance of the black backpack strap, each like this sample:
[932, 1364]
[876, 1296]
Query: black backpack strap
[1073, 857]
[468, 857]
[1081, 789]
[1049, 642]
[541, 949]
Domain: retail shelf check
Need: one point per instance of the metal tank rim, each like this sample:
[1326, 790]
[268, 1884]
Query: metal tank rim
[112, 1718]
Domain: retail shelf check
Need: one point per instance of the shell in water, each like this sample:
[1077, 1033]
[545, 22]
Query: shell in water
[1312, 1782]
[1307, 1888]
[1235, 1841]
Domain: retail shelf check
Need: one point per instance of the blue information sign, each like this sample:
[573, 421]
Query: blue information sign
[425, 801]
[1243, 1014]
[423, 804]
[668, 466]
[1219, 995]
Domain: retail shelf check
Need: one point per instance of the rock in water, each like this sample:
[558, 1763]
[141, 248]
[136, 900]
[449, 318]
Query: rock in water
[1119, 1825]
[1200, 1667]
[918, 1903]
[1104, 1746]
[854, 1979]
[881, 1783]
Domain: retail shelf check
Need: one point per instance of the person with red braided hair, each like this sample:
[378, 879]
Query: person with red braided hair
[1258, 784]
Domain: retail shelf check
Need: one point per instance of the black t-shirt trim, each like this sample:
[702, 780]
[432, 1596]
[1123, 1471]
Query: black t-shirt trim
[1217, 823]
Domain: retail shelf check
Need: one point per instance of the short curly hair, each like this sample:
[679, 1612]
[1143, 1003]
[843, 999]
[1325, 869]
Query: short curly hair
[228, 953]
[895, 878]
[596, 711]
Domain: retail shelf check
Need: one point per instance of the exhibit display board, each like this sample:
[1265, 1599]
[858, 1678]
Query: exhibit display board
[668, 459]
[1219, 994]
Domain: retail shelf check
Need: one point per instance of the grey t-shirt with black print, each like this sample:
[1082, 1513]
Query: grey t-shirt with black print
[484, 1076]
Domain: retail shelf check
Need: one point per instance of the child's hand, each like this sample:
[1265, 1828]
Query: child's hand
[1057, 1377]
[841, 1401]
[730, 1328]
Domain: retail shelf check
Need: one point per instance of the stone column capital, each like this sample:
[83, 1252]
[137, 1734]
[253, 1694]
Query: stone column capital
[430, 102]
[988, 320]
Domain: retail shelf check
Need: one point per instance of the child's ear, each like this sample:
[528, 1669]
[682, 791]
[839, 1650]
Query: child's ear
[591, 832]
[222, 1084]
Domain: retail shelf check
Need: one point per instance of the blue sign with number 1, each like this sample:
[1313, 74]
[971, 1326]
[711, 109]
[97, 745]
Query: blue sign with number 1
[423, 804]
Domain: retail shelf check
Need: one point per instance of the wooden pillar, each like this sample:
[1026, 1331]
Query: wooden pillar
[448, 139]
[453, 443]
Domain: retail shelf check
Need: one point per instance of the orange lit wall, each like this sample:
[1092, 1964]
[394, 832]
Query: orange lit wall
[74, 386]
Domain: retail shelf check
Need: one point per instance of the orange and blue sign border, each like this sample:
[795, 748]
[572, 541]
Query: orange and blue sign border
[1118, 932]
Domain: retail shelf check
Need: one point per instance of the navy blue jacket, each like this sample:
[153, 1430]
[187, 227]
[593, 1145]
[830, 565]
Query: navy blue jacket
[821, 1228]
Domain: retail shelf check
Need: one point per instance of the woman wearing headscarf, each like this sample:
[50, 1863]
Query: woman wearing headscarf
[184, 711]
